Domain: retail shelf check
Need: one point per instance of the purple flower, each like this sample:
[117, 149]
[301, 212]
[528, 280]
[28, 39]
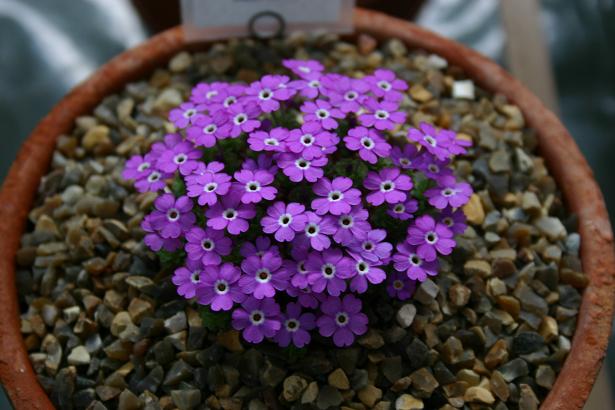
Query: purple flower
[337, 196]
[154, 241]
[408, 260]
[328, 270]
[243, 118]
[382, 115]
[405, 158]
[263, 162]
[297, 168]
[257, 318]
[188, 278]
[296, 268]
[186, 114]
[261, 247]
[456, 146]
[219, 287]
[207, 245]
[311, 141]
[254, 186]
[449, 192]
[172, 217]
[322, 112]
[389, 185]
[430, 238]
[365, 272]
[303, 68]
[404, 210]
[309, 87]
[432, 167]
[434, 142]
[208, 186]
[227, 97]
[305, 297]
[316, 232]
[342, 319]
[351, 226]
[455, 220]
[269, 91]
[295, 327]
[149, 179]
[372, 248]
[400, 286]
[284, 220]
[230, 214]
[345, 93]
[207, 130]
[181, 157]
[138, 167]
[263, 276]
[268, 141]
[368, 142]
[204, 93]
[386, 85]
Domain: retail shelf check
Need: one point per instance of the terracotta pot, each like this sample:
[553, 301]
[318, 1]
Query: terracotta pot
[564, 160]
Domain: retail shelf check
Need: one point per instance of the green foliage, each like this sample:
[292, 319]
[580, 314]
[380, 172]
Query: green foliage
[214, 321]
[171, 260]
[294, 353]
[178, 187]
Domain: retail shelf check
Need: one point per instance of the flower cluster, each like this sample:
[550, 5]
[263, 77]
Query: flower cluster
[287, 200]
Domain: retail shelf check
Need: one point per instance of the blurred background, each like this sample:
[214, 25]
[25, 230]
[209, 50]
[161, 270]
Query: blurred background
[564, 50]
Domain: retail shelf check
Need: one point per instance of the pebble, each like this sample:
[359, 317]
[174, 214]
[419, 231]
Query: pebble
[369, 395]
[405, 315]
[129, 401]
[545, 376]
[180, 62]
[293, 388]
[97, 139]
[78, 356]
[426, 292]
[478, 394]
[463, 89]
[474, 211]
[310, 393]
[328, 397]
[408, 402]
[186, 399]
[514, 369]
[527, 399]
[339, 380]
[551, 227]
[459, 295]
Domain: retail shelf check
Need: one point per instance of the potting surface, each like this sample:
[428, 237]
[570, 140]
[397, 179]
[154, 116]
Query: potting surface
[103, 323]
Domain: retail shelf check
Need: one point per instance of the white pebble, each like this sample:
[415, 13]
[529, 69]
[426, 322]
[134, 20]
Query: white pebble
[463, 89]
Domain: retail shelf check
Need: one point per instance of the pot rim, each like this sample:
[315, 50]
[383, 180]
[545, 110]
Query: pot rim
[564, 161]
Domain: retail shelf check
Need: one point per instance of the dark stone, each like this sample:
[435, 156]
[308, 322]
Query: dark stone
[527, 342]
[514, 369]
[417, 353]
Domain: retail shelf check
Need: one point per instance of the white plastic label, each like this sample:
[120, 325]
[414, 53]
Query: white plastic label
[216, 19]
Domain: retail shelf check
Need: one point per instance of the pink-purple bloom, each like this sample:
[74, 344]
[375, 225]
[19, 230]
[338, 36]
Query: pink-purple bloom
[207, 245]
[336, 197]
[430, 237]
[269, 91]
[368, 143]
[310, 141]
[230, 214]
[172, 216]
[257, 319]
[322, 112]
[296, 326]
[297, 168]
[342, 319]
[219, 287]
[188, 278]
[328, 271]
[385, 84]
[284, 221]
[207, 186]
[400, 286]
[263, 275]
[268, 141]
[449, 192]
[255, 186]
[351, 226]
[388, 185]
[382, 115]
[432, 140]
[372, 247]
[407, 260]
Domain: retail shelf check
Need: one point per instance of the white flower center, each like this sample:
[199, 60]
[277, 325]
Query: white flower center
[311, 230]
[367, 142]
[230, 101]
[399, 209]
[341, 319]
[195, 277]
[229, 214]
[405, 162]
[301, 268]
[253, 186]
[272, 142]
[210, 187]
[240, 119]
[211, 94]
[263, 275]
[265, 94]
[414, 259]
[210, 129]
[448, 221]
[328, 270]
[322, 113]
[384, 85]
[314, 84]
[351, 96]
[180, 158]
[387, 186]
[291, 325]
[362, 267]
[173, 214]
[433, 168]
[302, 163]
[285, 220]
[430, 140]
[143, 166]
[335, 196]
[346, 221]
[431, 237]
[221, 287]
[382, 114]
[448, 192]
[368, 246]
[208, 245]
[304, 69]
[257, 317]
[307, 140]
[154, 176]
[189, 113]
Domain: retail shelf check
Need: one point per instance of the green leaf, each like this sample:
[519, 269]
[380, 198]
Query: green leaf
[294, 353]
[171, 260]
[214, 321]
[178, 187]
